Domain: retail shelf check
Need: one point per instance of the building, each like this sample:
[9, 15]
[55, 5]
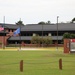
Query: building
[30, 30]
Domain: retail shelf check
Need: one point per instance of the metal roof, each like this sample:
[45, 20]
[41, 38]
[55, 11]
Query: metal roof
[39, 27]
[10, 26]
[51, 27]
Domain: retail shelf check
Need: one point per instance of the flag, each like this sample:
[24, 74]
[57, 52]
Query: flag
[16, 31]
[1, 28]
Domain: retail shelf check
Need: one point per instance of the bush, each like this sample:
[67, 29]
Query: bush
[13, 45]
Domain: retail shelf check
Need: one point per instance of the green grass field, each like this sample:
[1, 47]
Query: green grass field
[42, 62]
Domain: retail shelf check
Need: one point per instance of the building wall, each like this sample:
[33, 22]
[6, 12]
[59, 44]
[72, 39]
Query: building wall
[50, 31]
[3, 39]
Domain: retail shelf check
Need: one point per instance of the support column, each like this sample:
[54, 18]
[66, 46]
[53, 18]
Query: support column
[66, 45]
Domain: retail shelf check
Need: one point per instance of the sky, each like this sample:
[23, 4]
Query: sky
[35, 11]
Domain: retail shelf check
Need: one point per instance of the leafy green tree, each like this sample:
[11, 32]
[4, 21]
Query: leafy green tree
[41, 22]
[39, 40]
[35, 40]
[48, 22]
[72, 36]
[19, 22]
[66, 35]
[47, 40]
[73, 20]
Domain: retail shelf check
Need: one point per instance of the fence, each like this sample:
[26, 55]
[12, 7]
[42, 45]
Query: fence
[45, 65]
[34, 45]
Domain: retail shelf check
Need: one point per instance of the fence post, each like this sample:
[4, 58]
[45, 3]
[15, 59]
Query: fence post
[21, 65]
[60, 64]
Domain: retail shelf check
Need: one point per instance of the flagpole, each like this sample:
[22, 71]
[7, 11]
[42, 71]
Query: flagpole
[4, 33]
[20, 37]
[17, 32]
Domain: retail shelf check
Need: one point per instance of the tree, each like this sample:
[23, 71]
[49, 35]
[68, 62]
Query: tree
[68, 36]
[39, 40]
[73, 20]
[41, 22]
[35, 39]
[47, 40]
[19, 22]
[72, 36]
[48, 22]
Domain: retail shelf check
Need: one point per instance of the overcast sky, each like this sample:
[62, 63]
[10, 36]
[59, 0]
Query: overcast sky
[34, 11]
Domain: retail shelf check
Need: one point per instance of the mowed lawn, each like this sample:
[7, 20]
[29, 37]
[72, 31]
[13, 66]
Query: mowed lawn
[42, 62]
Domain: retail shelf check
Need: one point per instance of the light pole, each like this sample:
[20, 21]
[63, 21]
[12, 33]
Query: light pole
[57, 32]
[42, 35]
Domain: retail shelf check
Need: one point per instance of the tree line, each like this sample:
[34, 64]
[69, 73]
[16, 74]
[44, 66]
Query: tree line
[42, 22]
[68, 36]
